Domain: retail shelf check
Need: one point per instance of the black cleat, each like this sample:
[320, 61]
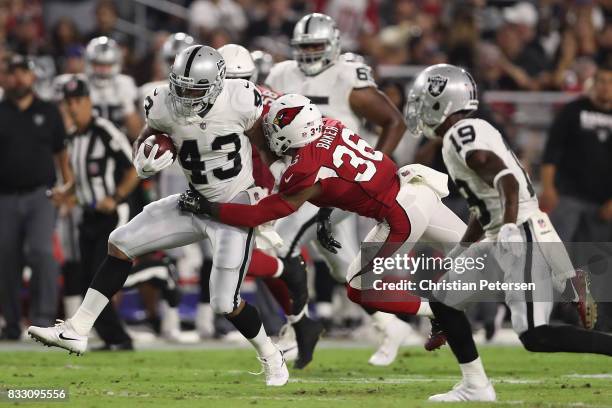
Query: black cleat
[307, 334]
[125, 346]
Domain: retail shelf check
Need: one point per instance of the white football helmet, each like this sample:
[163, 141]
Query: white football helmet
[312, 30]
[293, 121]
[437, 92]
[102, 60]
[238, 62]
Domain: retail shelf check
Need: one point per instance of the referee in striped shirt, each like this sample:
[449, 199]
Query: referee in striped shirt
[100, 155]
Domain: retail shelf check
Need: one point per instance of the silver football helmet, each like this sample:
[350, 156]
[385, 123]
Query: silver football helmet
[102, 60]
[239, 62]
[438, 92]
[264, 63]
[316, 43]
[174, 44]
[196, 80]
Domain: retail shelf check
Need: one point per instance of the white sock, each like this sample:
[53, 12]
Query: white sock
[71, 304]
[425, 309]
[296, 318]
[84, 318]
[263, 345]
[279, 269]
[474, 374]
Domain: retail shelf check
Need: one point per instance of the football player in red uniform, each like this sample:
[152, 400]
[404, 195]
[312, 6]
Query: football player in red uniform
[286, 278]
[334, 167]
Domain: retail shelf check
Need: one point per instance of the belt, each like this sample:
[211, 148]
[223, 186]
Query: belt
[19, 190]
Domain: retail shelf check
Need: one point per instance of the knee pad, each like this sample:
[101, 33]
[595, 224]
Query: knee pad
[119, 239]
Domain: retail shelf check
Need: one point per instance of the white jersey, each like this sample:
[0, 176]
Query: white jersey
[329, 90]
[113, 99]
[146, 89]
[213, 150]
[485, 201]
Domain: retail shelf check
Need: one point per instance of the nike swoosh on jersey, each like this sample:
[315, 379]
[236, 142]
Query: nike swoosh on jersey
[61, 336]
[288, 178]
[155, 92]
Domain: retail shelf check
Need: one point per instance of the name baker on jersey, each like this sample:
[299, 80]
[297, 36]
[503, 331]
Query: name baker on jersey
[327, 138]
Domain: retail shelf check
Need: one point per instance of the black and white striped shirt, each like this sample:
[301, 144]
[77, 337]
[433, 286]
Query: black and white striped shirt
[99, 155]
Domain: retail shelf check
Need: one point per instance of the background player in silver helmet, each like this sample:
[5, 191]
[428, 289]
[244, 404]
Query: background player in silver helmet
[505, 214]
[113, 94]
[343, 90]
[174, 44]
[211, 121]
[297, 344]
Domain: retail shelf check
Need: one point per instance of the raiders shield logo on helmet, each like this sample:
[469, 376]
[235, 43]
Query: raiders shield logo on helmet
[285, 116]
[437, 83]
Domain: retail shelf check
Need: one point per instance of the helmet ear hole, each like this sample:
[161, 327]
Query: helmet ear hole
[436, 106]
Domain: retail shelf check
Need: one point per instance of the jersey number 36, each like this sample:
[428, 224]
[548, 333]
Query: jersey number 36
[363, 148]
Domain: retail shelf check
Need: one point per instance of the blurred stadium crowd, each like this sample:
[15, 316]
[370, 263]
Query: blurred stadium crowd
[508, 45]
[552, 47]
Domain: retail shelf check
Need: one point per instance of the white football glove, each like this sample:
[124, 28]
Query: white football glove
[148, 166]
[510, 239]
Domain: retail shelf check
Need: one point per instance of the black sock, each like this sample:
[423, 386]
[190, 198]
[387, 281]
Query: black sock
[569, 339]
[247, 321]
[111, 276]
[205, 271]
[295, 277]
[457, 330]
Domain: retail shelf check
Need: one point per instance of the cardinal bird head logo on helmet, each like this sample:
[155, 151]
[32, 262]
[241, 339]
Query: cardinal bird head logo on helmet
[286, 115]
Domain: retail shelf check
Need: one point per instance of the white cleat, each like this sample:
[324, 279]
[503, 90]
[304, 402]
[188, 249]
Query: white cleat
[61, 335]
[275, 370]
[394, 333]
[462, 392]
[286, 343]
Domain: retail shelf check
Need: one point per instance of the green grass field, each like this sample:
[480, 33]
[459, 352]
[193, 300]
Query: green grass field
[337, 378]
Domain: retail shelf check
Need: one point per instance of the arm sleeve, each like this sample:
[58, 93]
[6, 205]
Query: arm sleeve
[270, 208]
[557, 135]
[59, 131]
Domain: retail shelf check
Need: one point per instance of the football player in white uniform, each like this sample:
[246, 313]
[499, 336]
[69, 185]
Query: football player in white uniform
[505, 214]
[113, 94]
[211, 121]
[343, 89]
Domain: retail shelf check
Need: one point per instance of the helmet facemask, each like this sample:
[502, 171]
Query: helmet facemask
[190, 99]
[314, 56]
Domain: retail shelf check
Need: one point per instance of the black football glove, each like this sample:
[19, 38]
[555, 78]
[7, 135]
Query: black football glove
[193, 202]
[324, 231]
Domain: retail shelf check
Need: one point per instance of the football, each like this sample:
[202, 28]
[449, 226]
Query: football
[165, 144]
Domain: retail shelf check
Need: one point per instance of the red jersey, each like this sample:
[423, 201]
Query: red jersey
[353, 176]
[261, 172]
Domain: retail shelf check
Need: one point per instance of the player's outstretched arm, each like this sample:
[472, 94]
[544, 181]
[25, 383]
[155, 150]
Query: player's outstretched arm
[376, 107]
[270, 208]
